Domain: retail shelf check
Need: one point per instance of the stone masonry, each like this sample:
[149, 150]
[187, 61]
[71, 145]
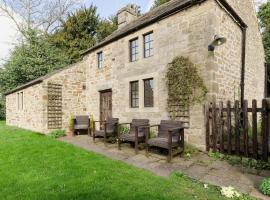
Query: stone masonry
[186, 33]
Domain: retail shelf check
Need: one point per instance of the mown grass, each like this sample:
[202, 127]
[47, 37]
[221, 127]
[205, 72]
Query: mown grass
[37, 167]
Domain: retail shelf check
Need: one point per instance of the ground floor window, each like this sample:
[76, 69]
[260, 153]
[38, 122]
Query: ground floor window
[20, 100]
[148, 92]
[134, 94]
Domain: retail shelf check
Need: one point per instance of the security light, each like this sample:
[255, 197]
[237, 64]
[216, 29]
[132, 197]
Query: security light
[218, 41]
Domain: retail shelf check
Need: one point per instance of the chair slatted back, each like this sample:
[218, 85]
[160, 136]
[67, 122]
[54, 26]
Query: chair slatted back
[138, 122]
[82, 120]
[166, 125]
[112, 124]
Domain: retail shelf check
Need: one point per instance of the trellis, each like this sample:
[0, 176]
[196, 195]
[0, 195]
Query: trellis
[54, 106]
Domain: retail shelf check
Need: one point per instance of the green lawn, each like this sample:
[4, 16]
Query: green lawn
[38, 167]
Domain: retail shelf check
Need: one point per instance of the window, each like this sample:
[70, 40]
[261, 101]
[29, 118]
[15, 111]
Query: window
[148, 92]
[100, 59]
[134, 94]
[148, 45]
[134, 49]
[20, 100]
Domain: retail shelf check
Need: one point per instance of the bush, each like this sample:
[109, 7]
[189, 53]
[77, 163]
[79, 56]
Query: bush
[57, 134]
[123, 129]
[71, 122]
[265, 187]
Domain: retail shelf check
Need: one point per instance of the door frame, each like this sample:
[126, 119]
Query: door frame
[100, 106]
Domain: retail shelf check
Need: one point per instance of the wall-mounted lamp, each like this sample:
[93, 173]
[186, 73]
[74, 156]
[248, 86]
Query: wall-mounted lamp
[218, 41]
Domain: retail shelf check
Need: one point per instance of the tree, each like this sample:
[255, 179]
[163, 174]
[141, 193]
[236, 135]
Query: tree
[159, 2]
[45, 15]
[264, 17]
[34, 58]
[82, 30]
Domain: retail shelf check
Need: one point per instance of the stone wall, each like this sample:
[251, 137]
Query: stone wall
[31, 115]
[72, 80]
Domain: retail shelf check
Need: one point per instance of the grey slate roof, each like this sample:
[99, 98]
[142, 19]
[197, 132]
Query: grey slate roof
[149, 18]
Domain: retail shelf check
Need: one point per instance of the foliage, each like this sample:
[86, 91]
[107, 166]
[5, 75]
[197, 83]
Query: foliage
[190, 151]
[230, 192]
[71, 122]
[2, 108]
[184, 83]
[159, 3]
[92, 122]
[82, 30]
[123, 129]
[264, 16]
[57, 134]
[245, 162]
[34, 58]
[50, 169]
[265, 187]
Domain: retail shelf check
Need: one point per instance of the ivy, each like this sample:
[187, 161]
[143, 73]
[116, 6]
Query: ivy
[185, 86]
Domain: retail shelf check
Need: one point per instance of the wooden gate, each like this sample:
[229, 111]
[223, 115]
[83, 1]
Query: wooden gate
[105, 105]
[238, 130]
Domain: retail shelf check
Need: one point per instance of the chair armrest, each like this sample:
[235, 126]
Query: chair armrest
[177, 128]
[124, 124]
[150, 126]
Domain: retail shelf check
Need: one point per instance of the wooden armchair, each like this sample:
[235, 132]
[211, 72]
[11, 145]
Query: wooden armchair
[135, 135]
[170, 136]
[109, 129]
[81, 123]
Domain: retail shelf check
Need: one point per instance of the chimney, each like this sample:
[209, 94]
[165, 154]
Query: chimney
[127, 14]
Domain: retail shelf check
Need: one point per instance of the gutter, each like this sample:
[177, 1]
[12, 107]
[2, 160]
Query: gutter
[243, 27]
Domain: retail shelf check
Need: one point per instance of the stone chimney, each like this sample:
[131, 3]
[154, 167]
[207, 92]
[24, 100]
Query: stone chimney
[127, 14]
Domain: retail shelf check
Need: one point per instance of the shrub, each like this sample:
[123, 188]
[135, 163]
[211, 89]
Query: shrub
[71, 122]
[57, 134]
[123, 129]
[92, 122]
[265, 187]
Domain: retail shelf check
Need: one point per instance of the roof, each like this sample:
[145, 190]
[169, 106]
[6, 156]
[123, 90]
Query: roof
[149, 18]
[38, 80]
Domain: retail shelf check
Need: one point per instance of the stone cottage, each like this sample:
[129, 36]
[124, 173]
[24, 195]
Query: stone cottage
[124, 75]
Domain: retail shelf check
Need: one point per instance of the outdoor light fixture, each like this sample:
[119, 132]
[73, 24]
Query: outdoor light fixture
[218, 40]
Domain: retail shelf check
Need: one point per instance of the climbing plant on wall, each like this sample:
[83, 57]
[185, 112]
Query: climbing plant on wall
[185, 86]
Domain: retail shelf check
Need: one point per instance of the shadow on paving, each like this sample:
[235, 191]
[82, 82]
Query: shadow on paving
[200, 167]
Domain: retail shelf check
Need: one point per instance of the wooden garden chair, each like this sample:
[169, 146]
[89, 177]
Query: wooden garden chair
[109, 129]
[81, 123]
[135, 135]
[170, 136]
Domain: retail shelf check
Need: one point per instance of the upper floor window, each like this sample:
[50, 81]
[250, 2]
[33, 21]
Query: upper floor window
[134, 49]
[148, 45]
[100, 59]
[134, 94]
[148, 92]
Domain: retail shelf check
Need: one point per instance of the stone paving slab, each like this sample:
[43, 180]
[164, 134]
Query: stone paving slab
[199, 167]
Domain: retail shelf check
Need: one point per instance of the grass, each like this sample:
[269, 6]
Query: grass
[37, 167]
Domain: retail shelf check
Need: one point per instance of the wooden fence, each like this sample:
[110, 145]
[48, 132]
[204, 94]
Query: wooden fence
[238, 130]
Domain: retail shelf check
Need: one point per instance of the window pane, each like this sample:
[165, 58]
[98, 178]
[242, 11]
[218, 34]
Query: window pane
[134, 94]
[100, 59]
[134, 50]
[148, 45]
[149, 93]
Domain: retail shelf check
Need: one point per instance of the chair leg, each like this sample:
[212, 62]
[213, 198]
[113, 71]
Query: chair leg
[136, 147]
[147, 150]
[89, 133]
[119, 144]
[94, 138]
[169, 158]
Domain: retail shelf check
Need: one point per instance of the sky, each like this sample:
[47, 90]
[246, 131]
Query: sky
[106, 8]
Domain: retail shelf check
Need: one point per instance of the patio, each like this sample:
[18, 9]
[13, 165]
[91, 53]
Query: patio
[200, 167]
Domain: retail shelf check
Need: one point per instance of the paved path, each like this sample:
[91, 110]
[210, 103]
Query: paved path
[200, 167]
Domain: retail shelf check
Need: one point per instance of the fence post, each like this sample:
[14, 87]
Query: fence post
[265, 134]
[254, 130]
[229, 118]
[221, 127]
[207, 126]
[237, 127]
[245, 116]
[214, 126]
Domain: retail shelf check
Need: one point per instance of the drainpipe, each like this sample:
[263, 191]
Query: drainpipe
[243, 68]
[243, 27]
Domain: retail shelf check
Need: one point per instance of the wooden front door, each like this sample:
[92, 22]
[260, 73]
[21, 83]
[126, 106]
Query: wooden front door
[105, 105]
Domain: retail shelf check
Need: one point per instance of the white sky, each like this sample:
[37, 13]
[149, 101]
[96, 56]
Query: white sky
[9, 35]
